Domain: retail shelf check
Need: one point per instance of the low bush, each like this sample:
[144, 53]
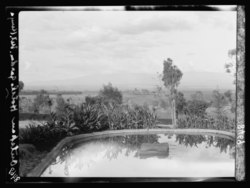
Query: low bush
[42, 136]
[86, 118]
[93, 100]
[206, 122]
[125, 117]
[26, 150]
[89, 118]
[196, 108]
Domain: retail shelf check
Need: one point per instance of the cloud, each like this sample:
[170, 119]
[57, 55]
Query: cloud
[218, 20]
[69, 44]
[73, 30]
[69, 30]
[159, 22]
[84, 37]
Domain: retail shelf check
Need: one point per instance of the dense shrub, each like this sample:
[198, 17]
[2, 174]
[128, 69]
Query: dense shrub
[26, 150]
[144, 116]
[206, 122]
[42, 136]
[93, 100]
[111, 94]
[42, 102]
[126, 117]
[196, 108]
[219, 102]
[87, 118]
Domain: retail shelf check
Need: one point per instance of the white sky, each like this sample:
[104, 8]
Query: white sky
[64, 45]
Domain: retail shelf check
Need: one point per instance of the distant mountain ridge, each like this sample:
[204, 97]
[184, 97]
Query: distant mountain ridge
[190, 80]
[207, 80]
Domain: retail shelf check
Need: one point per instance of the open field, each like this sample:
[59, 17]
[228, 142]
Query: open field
[77, 99]
[128, 97]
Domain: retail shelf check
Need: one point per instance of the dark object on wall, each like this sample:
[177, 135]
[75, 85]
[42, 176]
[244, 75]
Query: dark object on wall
[159, 150]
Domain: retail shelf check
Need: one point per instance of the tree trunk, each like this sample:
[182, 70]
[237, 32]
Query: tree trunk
[174, 113]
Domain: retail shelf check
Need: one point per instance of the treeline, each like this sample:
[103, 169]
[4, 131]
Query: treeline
[194, 113]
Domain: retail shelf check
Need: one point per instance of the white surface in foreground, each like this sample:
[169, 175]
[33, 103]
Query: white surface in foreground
[90, 160]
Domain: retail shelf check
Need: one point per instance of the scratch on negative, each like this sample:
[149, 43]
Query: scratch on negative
[7, 93]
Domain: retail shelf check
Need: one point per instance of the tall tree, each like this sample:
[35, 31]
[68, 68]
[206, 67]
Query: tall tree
[231, 67]
[171, 78]
[111, 94]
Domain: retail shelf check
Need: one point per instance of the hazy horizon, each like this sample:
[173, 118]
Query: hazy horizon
[83, 50]
[189, 81]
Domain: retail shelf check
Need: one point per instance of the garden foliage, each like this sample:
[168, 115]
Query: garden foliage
[86, 118]
[206, 122]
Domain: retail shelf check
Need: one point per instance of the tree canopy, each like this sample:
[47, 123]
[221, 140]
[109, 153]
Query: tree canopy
[111, 94]
[230, 66]
[171, 75]
[171, 78]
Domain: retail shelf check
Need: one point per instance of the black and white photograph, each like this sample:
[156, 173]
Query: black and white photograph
[112, 93]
